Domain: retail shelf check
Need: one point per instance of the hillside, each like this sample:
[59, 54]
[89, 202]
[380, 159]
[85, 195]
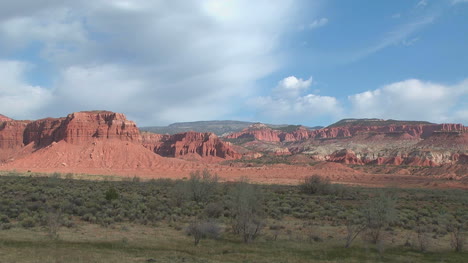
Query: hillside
[217, 127]
[374, 122]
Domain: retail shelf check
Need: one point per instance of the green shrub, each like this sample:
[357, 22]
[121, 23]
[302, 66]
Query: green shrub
[111, 194]
[315, 185]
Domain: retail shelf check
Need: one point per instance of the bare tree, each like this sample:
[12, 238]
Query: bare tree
[54, 221]
[422, 234]
[457, 236]
[247, 211]
[378, 212]
[353, 229]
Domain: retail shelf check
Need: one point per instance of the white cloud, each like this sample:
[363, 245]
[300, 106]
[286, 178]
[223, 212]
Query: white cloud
[411, 99]
[422, 3]
[290, 103]
[292, 87]
[17, 98]
[318, 23]
[159, 57]
[394, 37]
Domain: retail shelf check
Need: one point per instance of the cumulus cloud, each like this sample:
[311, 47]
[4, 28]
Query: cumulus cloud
[412, 99]
[154, 60]
[292, 87]
[290, 103]
[17, 98]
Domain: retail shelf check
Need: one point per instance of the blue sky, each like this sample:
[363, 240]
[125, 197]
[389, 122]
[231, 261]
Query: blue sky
[289, 61]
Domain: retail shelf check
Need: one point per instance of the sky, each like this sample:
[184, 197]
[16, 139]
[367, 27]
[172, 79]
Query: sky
[310, 62]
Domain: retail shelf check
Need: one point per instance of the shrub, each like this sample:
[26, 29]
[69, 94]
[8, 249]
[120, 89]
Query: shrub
[28, 222]
[214, 210]
[315, 185]
[203, 229]
[111, 194]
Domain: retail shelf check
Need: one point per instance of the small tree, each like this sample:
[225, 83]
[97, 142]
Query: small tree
[201, 185]
[422, 234]
[457, 233]
[53, 220]
[378, 212]
[246, 210]
[354, 227]
[203, 229]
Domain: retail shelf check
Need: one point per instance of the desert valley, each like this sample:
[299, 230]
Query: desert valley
[93, 187]
[253, 131]
[355, 151]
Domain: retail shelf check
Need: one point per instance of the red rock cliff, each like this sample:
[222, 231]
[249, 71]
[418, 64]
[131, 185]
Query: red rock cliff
[11, 134]
[81, 127]
[4, 118]
[264, 133]
[177, 145]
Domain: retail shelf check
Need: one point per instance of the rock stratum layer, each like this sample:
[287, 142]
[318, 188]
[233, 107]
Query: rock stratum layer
[21, 138]
[187, 143]
[361, 142]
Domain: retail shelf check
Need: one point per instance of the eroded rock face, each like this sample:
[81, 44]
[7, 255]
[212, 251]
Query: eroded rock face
[11, 134]
[422, 131]
[81, 128]
[398, 143]
[178, 145]
[345, 156]
[4, 118]
[262, 132]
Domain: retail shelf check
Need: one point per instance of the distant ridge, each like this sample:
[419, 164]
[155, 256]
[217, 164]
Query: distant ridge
[375, 122]
[218, 127]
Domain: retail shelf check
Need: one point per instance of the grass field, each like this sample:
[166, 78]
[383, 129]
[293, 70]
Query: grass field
[147, 222]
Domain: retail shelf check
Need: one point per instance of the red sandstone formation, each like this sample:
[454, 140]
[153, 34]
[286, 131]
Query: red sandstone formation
[178, 145]
[345, 156]
[82, 128]
[265, 133]
[4, 118]
[390, 142]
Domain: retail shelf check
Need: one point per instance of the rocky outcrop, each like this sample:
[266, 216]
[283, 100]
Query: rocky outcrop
[359, 142]
[12, 133]
[178, 145]
[262, 132]
[80, 128]
[422, 131]
[345, 156]
[4, 118]
[76, 128]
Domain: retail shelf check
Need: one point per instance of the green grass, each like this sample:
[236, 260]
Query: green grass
[147, 221]
[164, 244]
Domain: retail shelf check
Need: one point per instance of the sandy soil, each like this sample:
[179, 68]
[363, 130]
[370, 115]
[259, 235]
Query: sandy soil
[115, 157]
